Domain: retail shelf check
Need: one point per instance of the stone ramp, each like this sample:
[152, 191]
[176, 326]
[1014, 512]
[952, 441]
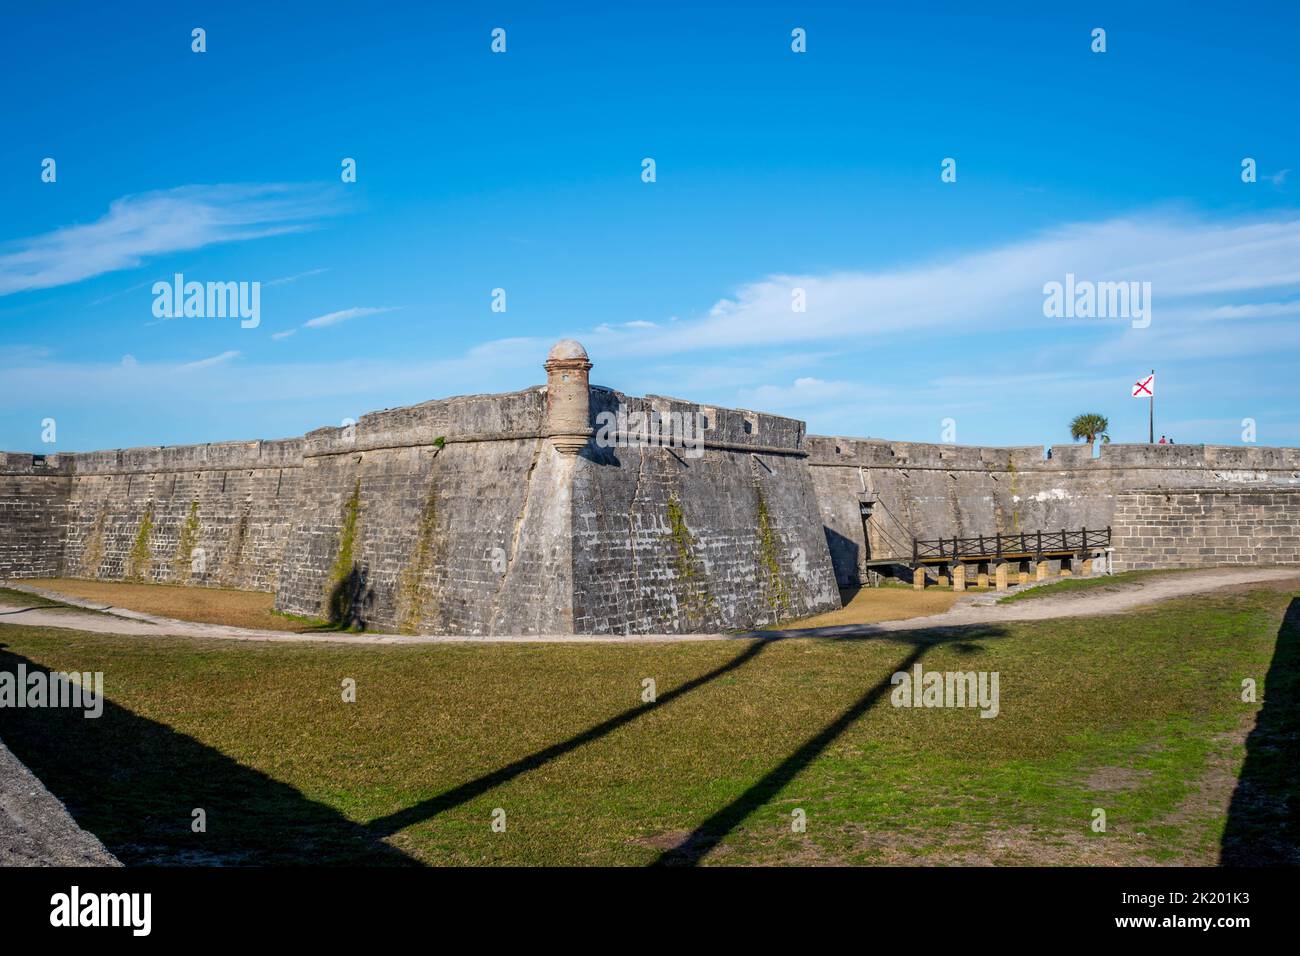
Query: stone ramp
[35, 828]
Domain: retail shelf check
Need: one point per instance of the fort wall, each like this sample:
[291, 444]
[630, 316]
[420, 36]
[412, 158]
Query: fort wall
[501, 514]
[205, 515]
[34, 493]
[1202, 527]
[939, 490]
[667, 541]
[449, 517]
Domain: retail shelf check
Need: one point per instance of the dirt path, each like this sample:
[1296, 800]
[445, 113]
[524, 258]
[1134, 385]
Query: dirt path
[970, 611]
[1082, 603]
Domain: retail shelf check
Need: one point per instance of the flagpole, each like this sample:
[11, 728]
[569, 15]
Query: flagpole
[1151, 420]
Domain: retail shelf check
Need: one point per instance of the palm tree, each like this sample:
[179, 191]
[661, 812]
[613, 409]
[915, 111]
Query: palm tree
[1091, 426]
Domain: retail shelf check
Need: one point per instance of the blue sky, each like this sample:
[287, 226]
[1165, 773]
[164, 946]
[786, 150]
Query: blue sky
[775, 171]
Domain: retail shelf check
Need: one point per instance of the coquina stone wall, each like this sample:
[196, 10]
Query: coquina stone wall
[34, 491]
[1201, 527]
[500, 514]
[938, 490]
[664, 540]
[207, 515]
[450, 517]
[459, 516]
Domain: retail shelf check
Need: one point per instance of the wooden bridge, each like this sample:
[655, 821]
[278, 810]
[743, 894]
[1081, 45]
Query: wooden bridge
[1022, 546]
[982, 550]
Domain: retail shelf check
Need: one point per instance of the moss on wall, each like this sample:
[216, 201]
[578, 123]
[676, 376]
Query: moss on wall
[778, 599]
[412, 596]
[138, 560]
[93, 555]
[185, 543]
[340, 590]
[234, 561]
[696, 599]
[1015, 494]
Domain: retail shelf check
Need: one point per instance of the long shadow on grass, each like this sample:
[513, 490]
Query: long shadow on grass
[1263, 827]
[714, 830]
[135, 783]
[426, 809]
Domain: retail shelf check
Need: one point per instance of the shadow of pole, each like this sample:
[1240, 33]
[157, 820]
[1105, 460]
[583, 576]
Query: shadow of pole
[135, 783]
[1263, 826]
[426, 809]
[713, 830]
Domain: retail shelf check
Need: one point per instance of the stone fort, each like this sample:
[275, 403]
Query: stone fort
[505, 514]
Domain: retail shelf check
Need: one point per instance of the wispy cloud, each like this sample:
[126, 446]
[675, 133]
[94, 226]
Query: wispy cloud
[873, 345]
[1193, 266]
[139, 227]
[334, 318]
[285, 280]
[221, 359]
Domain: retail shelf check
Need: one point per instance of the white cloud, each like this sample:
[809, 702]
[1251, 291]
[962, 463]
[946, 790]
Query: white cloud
[373, 383]
[334, 318]
[277, 336]
[142, 226]
[1219, 291]
[809, 392]
[1259, 310]
[1191, 264]
[210, 361]
[284, 280]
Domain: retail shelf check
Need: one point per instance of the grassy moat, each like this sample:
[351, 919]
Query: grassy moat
[1140, 715]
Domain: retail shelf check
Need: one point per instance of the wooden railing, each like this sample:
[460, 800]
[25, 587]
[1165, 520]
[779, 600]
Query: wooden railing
[1024, 544]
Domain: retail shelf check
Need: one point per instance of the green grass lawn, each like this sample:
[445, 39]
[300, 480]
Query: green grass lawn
[1063, 585]
[1139, 715]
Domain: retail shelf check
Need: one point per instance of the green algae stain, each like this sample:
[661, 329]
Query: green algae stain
[777, 597]
[412, 596]
[338, 597]
[138, 559]
[93, 556]
[1015, 494]
[189, 537]
[696, 598]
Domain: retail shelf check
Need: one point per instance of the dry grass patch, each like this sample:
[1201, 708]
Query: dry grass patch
[873, 605]
[252, 609]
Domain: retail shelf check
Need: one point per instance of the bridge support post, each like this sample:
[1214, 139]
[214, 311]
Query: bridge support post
[1085, 568]
[1000, 576]
[918, 578]
[982, 578]
[1023, 576]
[959, 577]
[1040, 570]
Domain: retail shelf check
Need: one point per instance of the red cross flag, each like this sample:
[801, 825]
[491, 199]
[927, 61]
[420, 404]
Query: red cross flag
[1146, 388]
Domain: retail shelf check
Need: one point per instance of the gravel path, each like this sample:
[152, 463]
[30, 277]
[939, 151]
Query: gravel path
[1091, 602]
[971, 610]
[35, 829]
